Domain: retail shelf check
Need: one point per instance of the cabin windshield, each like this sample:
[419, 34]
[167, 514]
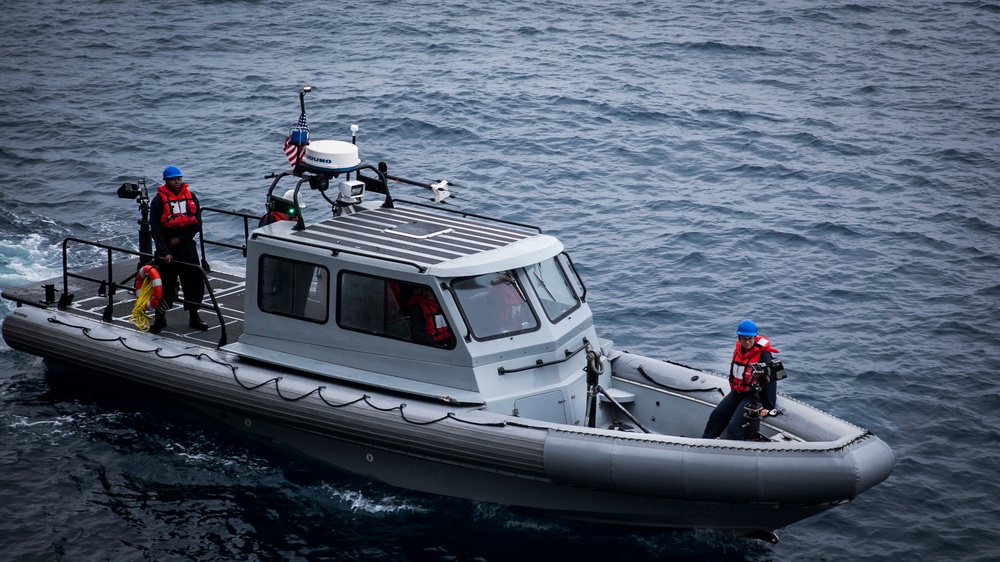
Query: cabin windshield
[494, 305]
[551, 284]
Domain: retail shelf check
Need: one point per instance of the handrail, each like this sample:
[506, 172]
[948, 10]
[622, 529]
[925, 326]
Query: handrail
[349, 251]
[111, 286]
[465, 214]
[539, 363]
[246, 230]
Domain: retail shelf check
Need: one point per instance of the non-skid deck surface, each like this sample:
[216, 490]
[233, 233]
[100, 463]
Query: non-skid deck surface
[228, 289]
[414, 235]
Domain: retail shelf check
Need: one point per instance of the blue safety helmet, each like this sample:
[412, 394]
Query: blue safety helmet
[172, 172]
[746, 328]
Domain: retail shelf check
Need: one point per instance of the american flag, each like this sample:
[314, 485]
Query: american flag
[294, 150]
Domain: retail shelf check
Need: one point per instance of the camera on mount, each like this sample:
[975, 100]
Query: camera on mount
[768, 372]
[132, 190]
[319, 182]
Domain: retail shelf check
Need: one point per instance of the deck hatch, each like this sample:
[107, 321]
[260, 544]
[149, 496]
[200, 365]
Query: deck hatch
[418, 230]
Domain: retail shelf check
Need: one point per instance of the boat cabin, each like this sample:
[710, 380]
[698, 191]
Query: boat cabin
[425, 301]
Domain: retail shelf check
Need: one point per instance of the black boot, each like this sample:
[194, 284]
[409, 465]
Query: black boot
[159, 322]
[196, 322]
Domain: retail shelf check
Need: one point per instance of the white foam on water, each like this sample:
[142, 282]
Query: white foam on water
[373, 504]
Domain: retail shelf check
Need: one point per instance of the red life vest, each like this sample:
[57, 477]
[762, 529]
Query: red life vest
[179, 209]
[272, 217]
[510, 304]
[432, 317]
[744, 359]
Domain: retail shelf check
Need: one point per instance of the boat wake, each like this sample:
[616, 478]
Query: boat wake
[372, 503]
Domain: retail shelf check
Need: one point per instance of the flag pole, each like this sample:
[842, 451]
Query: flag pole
[302, 98]
[304, 141]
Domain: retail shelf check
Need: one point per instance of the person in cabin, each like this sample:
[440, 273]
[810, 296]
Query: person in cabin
[726, 420]
[284, 208]
[175, 222]
[510, 308]
[427, 323]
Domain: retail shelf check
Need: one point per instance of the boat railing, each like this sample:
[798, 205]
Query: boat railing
[370, 254]
[246, 230]
[466, 214]
[108, 286]
[337, 251]
[567, 355]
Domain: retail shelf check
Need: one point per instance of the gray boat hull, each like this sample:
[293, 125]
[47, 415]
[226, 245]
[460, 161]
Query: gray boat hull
[592, 474]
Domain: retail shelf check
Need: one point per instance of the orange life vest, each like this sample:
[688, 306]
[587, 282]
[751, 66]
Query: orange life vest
[512, 306]
[434, 321]
[179, 209]
[744, 359]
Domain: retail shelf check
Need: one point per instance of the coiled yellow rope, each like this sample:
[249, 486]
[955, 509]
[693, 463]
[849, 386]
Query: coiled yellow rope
[139, 315]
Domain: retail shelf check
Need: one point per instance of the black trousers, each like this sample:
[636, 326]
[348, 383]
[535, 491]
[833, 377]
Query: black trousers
[192, 277]
[726, 420]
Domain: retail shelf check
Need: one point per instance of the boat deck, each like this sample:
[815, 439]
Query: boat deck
[89, 288]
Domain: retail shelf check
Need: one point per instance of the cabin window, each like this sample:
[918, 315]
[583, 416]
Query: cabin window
[552, 286]
[293, 288]
[392, 308]
[494, 305]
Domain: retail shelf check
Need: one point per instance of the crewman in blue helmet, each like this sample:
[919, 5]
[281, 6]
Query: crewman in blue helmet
[175, 221]
[726, 420]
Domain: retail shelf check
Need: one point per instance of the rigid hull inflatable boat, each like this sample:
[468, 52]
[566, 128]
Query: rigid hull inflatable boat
[500, 390]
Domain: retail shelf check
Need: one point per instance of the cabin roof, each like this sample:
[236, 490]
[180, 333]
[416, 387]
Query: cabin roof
[438, 243]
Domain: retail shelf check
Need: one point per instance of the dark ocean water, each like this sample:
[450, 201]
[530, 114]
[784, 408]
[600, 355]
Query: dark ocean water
[830, 169]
